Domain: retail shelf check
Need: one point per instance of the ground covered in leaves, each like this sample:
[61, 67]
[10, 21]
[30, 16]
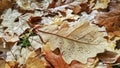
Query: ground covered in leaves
[59, 33]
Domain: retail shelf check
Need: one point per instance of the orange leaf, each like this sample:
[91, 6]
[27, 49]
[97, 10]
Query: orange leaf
[58, 62]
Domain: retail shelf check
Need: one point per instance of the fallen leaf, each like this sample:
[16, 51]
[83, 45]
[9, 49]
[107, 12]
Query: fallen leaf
[34, 21]
[110, 21]
[114, 5]
[35, 42]
[84, 40]
[34, 61]
[75, 6]
[57, 61]
[2, 63]
[11, 64]
[55, 58]
[5, 4]
[13, 29]
[108, 57]
[101, 4]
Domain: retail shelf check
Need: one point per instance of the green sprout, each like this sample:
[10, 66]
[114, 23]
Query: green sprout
[24, 39]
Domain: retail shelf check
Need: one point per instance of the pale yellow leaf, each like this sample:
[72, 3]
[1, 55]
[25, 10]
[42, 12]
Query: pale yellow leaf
[82, 43]
[101, 4]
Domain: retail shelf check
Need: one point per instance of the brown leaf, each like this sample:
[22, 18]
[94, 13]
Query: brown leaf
[118, 60]
[110, 21]
[4, 4]
[34, 21]
[52, 5]
[34, 61]
[11, 64]
[114, 5]
[57, 61]
[77, 7]
[2, 63]
[56, 3]
[108, 57]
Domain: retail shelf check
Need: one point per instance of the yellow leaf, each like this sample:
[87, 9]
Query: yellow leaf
[34, 61]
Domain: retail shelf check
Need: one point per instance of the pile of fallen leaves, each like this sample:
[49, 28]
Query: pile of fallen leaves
[59, 33]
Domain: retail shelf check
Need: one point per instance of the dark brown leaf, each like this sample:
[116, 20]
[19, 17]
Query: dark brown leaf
[4, 4]
[108, 57]
[111, 21]
[34, 21]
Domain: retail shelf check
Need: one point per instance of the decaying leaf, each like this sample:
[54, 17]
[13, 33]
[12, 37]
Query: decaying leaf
[80, 44]
[110, 21]
[108, 57]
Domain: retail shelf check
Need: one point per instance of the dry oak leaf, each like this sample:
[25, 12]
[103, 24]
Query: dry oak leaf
[80, 44]
[34, 61]
[56, 60]
[111, 21]
[108, 57]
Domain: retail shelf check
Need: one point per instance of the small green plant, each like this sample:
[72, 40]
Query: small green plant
[24, 38]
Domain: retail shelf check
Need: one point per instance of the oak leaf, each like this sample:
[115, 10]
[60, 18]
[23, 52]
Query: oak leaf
[33, 61]
[79, 44]
[108, 57]
[110, 21]
[55, 58]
